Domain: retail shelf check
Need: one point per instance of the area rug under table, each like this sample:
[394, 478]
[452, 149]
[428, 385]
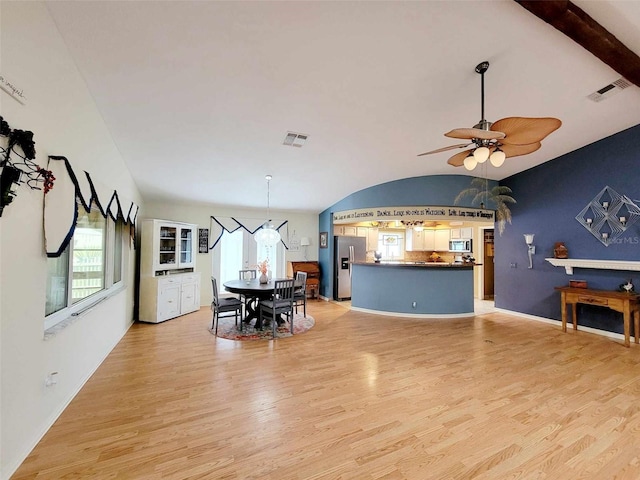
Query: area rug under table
[227, 329]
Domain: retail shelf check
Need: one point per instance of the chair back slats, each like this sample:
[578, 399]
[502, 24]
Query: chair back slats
[283, 291]
[281, 303]
[301, 282]
[300, 293]
[244, 273]
[216, 301]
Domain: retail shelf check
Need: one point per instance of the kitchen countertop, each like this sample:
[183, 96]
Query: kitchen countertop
[418, 264]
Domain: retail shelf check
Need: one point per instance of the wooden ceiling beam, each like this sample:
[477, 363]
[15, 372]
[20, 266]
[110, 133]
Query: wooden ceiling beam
[584, 30]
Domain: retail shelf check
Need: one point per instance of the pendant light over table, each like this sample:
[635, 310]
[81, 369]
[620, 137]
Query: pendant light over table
[267, 234]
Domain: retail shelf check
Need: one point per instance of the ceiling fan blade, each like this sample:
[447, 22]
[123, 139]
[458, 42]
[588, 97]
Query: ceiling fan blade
[458, 159]
[469, 133]
[517, 150]
[444, 149]
[523, 131]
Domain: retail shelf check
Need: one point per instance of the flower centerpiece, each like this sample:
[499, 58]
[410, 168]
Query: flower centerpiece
[263, 267]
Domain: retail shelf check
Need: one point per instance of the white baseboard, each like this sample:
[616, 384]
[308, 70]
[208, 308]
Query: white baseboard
[558, 323]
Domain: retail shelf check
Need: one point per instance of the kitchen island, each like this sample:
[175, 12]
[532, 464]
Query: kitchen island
[413, 289]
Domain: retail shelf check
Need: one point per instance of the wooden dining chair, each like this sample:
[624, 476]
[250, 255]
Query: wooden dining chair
[224, 305]
[300, 292]
[246, 274]
[281, 303]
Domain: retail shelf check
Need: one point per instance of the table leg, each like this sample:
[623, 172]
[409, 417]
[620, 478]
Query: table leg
[574, 308]
[626, 314]
[636, 322]
[563, 306]
[251, 312]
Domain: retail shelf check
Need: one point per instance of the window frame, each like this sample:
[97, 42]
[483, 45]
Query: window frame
[72, 310]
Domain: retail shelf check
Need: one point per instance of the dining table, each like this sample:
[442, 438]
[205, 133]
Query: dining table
[253, 291]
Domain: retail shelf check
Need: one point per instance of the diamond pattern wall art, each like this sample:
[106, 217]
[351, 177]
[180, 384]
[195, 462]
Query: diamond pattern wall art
[608, 215]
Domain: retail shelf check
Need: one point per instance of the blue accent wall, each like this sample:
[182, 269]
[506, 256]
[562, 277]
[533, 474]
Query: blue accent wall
[549, 197]
[434, 190]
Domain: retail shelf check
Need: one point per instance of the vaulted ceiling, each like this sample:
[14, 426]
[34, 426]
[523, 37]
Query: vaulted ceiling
[199, 96]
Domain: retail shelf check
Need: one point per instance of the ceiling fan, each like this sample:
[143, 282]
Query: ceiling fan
[508, 137]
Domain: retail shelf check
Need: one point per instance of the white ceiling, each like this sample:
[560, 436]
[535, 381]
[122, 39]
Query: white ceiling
[199, 96]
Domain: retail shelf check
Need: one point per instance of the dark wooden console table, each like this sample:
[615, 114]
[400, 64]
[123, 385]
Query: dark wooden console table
[626, 303]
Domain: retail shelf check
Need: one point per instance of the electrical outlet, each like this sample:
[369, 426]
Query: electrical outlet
[513, 265]
[413, 305]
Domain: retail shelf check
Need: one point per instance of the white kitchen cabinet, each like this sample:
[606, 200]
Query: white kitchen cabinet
[419, 240]
[428, 240]
[414, 240]
[464, 232]
[344, 231]
[441, 240]
[372, 238]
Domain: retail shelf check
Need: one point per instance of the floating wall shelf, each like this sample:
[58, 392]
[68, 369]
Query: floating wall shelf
[570, 263]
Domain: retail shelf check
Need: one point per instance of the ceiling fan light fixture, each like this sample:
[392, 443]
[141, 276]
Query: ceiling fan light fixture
[481, 154]
[497, 158]
[470, 162]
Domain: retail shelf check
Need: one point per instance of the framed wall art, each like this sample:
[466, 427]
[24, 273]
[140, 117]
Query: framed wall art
[324, 239]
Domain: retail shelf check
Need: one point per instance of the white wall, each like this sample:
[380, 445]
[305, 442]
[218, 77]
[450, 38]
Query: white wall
[304, 224]
[65, 121]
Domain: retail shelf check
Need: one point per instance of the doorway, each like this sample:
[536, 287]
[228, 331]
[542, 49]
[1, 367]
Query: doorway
[488, 256]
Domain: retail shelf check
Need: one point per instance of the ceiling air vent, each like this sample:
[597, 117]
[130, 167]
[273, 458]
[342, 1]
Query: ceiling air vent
[295, 139]
[611, 89]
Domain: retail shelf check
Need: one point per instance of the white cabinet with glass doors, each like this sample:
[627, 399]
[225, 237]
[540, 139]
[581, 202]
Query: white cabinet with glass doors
[169, 287]
[173, 245]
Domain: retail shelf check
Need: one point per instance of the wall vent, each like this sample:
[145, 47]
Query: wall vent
[611, 89]
[295, 139]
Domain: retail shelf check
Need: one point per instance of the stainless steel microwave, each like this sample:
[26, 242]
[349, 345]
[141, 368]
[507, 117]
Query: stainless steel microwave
[460, 245]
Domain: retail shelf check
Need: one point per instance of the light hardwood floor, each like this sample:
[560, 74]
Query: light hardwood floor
[357, 397]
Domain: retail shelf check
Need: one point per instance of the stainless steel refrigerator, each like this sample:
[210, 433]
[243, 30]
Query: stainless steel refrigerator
[347, 250]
